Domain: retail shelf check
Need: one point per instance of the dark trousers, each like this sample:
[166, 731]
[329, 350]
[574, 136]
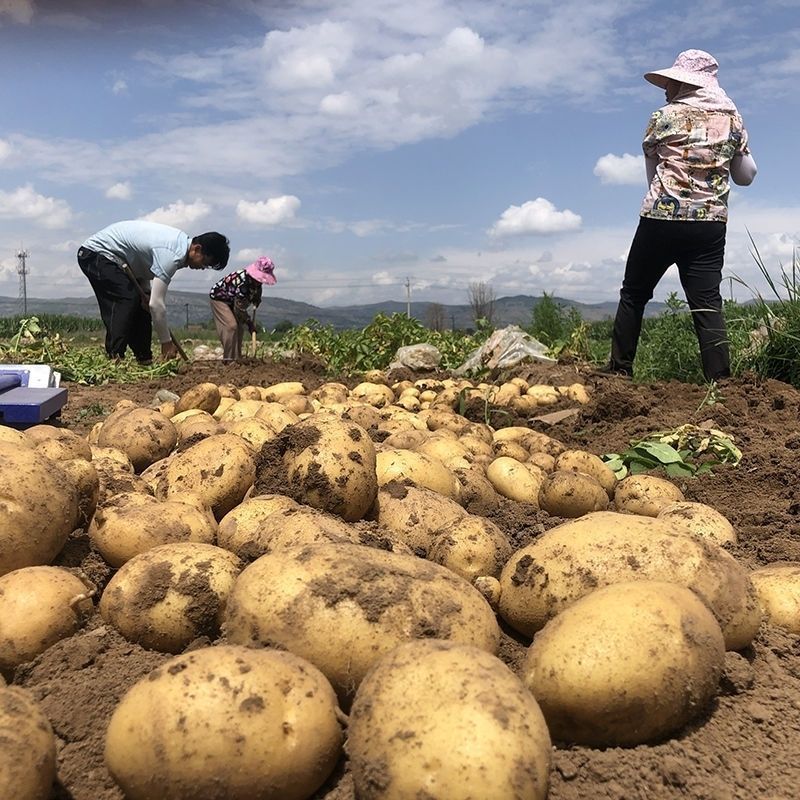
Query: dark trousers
[698, 250]
[127, 323]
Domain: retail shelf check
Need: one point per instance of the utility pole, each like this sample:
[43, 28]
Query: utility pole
[408, 298]
[22, 270]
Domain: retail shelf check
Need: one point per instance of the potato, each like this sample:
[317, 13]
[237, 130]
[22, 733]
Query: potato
[28, 754]
[438, 719]
[441, 418]
[225, 722]
[205, 396]
[240, 409]
[276, 415]
[477, 494]
[225, 402]
[256, 432]
[413, 513]
[627, 664]
[409, 403]
[87, 482]
[645, 495]
[443, 449]
[143, 434]
[297, 404]
[421, 470]
[544, 395]
[374, 394]
[13, 436]
[330, 393]
[114, 454]
[700, 520]
[228, 390]
[571, 494]
[589, 464]
[166, 597]
[513, 480]
[38, 508]
[220, 468]
[524, 405]
[569, 561]
[471, 547]
[405, 440]
[578, 393]
[276, 391]
[778, 588]
[197, 426]
[241, 526]
[39, 606]
[94, 433]
[251, 393]
[342, 606]
[58, 444]
[130, 523]
[115, 479]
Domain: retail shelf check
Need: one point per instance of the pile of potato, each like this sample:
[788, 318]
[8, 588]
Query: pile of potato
[340, 541]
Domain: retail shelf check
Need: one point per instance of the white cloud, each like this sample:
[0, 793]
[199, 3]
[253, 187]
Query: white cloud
[119, 87]
[18, 10]
[180, 214]
[248, 254]
[626, 169]
[532, 217]
[273, 212]
[119, 191]
[342, 104]
[26, 203]
[383, 278]
[5, 149]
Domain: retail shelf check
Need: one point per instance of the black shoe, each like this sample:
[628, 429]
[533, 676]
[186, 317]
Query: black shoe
[609, 371]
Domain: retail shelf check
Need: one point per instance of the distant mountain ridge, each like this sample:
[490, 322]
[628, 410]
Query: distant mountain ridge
[194, 308]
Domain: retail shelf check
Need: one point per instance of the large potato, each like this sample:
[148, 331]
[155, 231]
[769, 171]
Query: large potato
[573, 559]
[627, 664]
[514, 480]
[28, 754]
[225, 722]
[220, 469]
[170, 595]
[39, 606]
[143, 434]
[469, 728]
[589, 464]
[132, 523]
[778, 587]
[477, 494]
[241, 527]
[471, 547]
[420, 469]
[38, 508]
[87, 482]
[204, 396]
[645, 495]
[569, 494]
[342, 606]
[59, 444]
[700, 520]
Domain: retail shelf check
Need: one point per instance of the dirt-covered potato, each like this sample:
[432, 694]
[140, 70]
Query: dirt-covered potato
[514, 480]
[421, 470]
[225, 722]
[143, 434]
[241, 527]
[59, 444]
[116, 479]
[330, 394]
[778, 587]
[277, 416]
[413, 513]
[374, 394]
[627, 664]
[13, 436]
[256, 432]
[38, 508]
[472, 546]
[571, 494]
[132, 523]
[700, 520]
[28, 754]
[39, 606]
[205, 396]
[603, 548]
[589, 464]
[645, 495]
[219, 468]
[342, 606]
[114, 454]
[166, 597]
[276, 391]
[469, 728]
[87, 482]
[477, 494]
[239, 409]
[197, 425]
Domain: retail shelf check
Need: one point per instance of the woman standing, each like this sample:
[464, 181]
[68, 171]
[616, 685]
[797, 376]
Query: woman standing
[693, 146]
[232, 296]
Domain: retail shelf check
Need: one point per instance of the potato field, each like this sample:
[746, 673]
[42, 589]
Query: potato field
[284, 585]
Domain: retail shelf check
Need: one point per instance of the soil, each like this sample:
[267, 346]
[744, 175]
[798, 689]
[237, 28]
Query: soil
[748, 746]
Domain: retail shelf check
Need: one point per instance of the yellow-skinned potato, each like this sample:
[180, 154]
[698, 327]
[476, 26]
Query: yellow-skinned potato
[451, 697]
[421, 470]
[472, 546]
[700, 520]
[778, 587]
[627, 664]
[13, 436]
[443, 448]
[225, 402]
[645, 495]
[571, 494]
[477, 495]
[28, 755]
[220, 468]
[178, 419]
[414, 513]
[342, 606]
[198, 426]
[228, 390]
[375, 394]
[87, 482]
[510, 449]
[544, 395]
[364, 415]
[298, 404]
[405, 440]
[444, 418]
[578, 393]
[58, 444]
[167, 408]
[409, 403]
[256, 432]
[522, 383]
[241, 526]
[251, 393]
[129, 524]
[589, 464]
[241, 409]
[330, 393]
[570, 561]
[111, 454]
[205, 396]
[274, 392]
[145, 435]
[514, 480]
[38, 607]
[524, 405]
[168, 596]
[276, 415]
[504, 394]
[92, 436]
[38, 508]
[544, 461]
[115, 480]
[476, 445]
[243, 724]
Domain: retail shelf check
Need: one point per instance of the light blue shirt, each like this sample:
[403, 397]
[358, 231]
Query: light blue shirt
[150, 249]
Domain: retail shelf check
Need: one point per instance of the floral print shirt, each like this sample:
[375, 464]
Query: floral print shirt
[694, 148]
[238, 290]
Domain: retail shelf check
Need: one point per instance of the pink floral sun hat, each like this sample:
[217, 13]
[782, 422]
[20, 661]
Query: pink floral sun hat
[261, 269]
[695, 67]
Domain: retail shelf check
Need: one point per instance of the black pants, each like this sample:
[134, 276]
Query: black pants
[127, 323]
[698, 250]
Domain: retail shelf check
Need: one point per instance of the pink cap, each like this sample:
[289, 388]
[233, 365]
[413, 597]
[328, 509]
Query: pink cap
[261, 270]
[695, 67]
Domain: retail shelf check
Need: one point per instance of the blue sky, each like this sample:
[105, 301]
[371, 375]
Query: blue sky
[363, 142]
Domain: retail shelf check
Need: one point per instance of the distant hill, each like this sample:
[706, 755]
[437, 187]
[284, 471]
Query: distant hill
[194, 307]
